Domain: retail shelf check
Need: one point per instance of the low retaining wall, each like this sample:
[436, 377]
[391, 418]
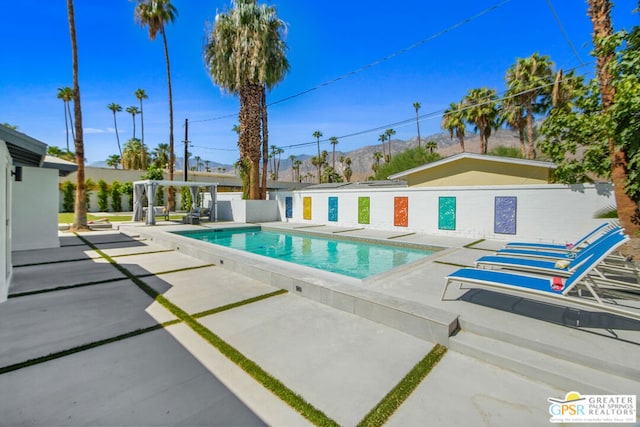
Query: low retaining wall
[549, 212]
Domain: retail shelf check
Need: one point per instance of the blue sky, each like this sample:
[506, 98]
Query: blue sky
[327, 39]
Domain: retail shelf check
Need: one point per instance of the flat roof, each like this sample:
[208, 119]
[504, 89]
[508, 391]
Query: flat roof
[483, 157]
[24, 150]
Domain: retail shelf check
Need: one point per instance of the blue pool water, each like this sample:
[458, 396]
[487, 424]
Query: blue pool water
[347, 257]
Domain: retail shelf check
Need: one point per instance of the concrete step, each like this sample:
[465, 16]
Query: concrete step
[560, 342]
[538, 365]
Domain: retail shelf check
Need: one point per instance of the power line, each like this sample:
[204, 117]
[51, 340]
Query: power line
[377, 62]
[564, 33]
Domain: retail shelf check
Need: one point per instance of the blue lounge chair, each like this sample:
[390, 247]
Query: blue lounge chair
[552, 255]
[562, 267]
[578, 244]
[579, 288]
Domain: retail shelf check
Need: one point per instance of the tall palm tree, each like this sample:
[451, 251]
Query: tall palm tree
[417, 106]
[133, 110]
[66, 94]
[115, 108]
[482, 111]
[530, 80]
[600, 13]
[389, 133]
[383, 138]
[317, 135]
[453, 120]
[292, 158]
[141, 94]
[80, 205]
[245, 55]
[334, 141]
[155, 14]
[513, 114]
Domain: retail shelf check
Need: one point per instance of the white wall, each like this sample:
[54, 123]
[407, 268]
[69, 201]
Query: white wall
[35, 210]
[544, 212]
[5, 221]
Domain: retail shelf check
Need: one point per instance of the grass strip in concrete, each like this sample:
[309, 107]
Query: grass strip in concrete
[34, 264]
[83, 347]
[159, 251]
[381, 413]
[472, 244]
[453, 264]
[238, 304]
[267, 380]
[64, 287]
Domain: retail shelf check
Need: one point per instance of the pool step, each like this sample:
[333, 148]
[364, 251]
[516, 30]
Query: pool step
[558, 372]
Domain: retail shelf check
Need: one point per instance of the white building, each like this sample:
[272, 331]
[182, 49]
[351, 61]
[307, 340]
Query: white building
[29, 189]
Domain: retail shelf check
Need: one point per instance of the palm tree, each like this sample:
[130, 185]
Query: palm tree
[383, 138]
[453, 121]
[600, 13]
[513, 114]
[155, 14]
[141, 94]
[161, 156]
[245, 55]
[376, 158]
[531, 79]
[133, 110]
[296, 166]
[431, 145]
[135, 155]
[417, 106]
[114, 160]
[66, 94]
[206, 166]
[115, 108]
[292, 158]
[347, 170]
[334, 141]
[482, 111]
[197, 159]
[80, 206]
[317, 135]
[389, 132]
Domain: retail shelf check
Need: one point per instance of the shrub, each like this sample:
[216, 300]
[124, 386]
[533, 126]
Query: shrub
[116, 196]
[127, 188]
[68, 196]
[186, 198]
[103, 196]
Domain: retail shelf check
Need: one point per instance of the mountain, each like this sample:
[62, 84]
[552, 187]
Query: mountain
[362, 158]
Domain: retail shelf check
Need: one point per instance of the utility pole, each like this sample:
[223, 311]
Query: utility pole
[186, 148]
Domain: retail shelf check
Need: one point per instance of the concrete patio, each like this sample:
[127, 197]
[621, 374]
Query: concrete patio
[113, 363]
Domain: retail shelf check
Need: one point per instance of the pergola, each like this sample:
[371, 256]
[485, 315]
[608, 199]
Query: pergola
[150, 186]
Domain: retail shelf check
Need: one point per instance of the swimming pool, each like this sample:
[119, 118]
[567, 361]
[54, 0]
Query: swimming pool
[351, 258]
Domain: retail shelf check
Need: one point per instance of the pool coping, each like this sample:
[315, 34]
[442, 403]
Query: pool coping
[344, 293]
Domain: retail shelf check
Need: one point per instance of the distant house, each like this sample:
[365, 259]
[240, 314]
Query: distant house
[469, 169]
[29, 191]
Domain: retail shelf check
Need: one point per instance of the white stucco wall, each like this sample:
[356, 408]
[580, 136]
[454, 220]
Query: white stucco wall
[5, 221]
[544, 212]
[35, 210]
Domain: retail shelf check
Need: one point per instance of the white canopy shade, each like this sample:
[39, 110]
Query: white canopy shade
[149, 187]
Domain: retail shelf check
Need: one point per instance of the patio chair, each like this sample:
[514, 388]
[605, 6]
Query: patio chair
[559, 267]
[578, 244]
[579, 288]
[554, 255]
